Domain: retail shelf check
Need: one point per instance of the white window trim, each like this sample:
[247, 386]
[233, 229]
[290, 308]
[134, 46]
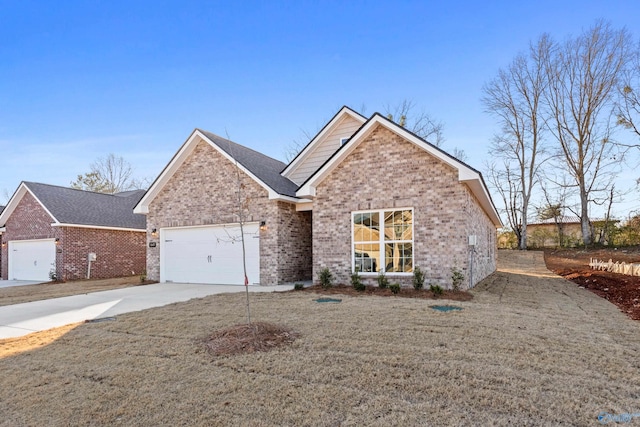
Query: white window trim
[381, 212]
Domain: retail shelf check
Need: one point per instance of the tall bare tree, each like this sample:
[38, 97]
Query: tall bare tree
[628, 110]
[417, 121]
[515, 97]
[505, 181]
[583, 74]
[111, 174]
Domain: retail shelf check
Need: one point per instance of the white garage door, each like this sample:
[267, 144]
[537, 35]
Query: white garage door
[209, 254]
[31, 259]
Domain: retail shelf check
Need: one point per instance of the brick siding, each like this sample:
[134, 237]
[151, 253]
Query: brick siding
[119, 253]
[203, 192]
[384, 172]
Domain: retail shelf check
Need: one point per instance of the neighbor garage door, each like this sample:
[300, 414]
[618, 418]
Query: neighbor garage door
[31, 259]
[211, 254]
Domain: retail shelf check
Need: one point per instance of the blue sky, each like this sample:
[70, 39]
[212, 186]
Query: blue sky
[82, 79]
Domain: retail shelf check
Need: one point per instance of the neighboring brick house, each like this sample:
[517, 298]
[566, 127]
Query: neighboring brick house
[364, 194]
[50, 231]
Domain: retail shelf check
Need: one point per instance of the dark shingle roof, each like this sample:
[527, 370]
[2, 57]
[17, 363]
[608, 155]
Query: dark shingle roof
[263, 167]
[70, 206]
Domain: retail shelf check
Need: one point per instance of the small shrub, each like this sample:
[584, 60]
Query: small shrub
[436, 289]
[456, 278]
[326, 278]
[356, 282]
[418, 279]
[383, 282]
[395, 288]
[52, 275]
[298, 287]
[143, 277]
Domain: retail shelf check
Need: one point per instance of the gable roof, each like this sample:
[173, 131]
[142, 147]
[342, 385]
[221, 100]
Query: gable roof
[265, 168]
[261, 168]
[466, 174]
[71, 207]
[326, 129]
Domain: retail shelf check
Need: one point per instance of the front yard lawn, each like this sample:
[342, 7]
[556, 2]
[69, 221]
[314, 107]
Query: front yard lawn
[529, 349]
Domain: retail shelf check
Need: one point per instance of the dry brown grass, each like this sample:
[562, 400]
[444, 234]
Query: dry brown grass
[529, 349]
[20, 294]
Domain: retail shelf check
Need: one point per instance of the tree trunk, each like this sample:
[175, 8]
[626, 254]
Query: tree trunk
[523, 236]
[587, 237]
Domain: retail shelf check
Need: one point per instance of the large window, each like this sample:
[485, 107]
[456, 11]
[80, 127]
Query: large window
[383, 241]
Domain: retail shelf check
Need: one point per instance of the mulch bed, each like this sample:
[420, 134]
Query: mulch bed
[376, 291]
[619, 289]
[248, 338]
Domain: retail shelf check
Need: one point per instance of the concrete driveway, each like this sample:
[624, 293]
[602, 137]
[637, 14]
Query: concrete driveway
[22, 319]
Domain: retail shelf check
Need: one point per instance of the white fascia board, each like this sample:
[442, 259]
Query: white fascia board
[15, 200]
[328, 128]
[282, 198]
[306, 191]
[97, 227]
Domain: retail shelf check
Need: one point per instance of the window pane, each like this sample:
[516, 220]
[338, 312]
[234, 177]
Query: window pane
[399, 257]
[389, 232]
[366, 227]
[367, 258]
[398, 225]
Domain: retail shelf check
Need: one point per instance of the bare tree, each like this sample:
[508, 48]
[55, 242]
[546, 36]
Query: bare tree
[628, 109]
[583, 74]
[6, 196]
[506, 182]
[297, 145]
[242, 206]
[416, 121]
[515, 98]
[111, 174]
[554, 204]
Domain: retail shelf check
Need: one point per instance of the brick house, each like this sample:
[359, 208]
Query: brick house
[364, 195]
[49, 230]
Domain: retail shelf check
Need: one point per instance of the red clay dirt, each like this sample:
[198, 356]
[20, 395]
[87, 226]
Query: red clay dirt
[619, 289]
